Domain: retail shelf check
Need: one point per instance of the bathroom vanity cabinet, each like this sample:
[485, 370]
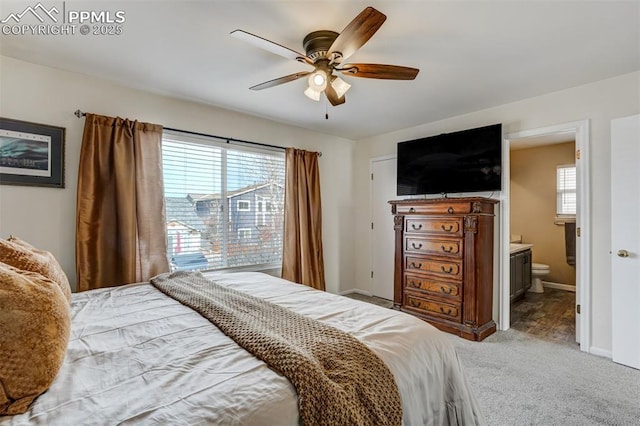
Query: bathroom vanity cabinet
[444, 263]
[520, 273]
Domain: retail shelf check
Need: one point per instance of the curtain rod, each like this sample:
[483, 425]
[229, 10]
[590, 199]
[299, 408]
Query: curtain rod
[81, 114]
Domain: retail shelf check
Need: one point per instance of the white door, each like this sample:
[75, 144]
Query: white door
[383, 189]
[625, 240]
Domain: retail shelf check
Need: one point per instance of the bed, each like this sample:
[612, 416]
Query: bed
[136, 356]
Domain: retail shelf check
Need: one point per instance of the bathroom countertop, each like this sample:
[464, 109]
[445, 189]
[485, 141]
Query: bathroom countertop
[518, 247]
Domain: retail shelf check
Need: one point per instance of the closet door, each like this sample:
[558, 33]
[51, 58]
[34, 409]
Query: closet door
[383, 189]
[625, 240]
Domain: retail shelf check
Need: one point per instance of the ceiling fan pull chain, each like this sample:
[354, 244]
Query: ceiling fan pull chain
[326, 110]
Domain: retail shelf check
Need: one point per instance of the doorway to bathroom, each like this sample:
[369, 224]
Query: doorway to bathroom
[542, 236]
[543, 281]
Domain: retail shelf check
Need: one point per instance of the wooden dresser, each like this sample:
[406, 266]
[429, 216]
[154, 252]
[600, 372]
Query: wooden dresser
[444, 263]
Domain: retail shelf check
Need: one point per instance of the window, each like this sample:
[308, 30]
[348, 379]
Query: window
[566, 188]
[263, 211]
[244, 233]
[229, 198]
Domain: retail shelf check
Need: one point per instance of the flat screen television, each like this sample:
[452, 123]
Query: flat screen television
[465, 161]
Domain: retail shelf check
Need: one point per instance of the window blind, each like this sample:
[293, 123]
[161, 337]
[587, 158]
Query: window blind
[566, 189]
[224, 203]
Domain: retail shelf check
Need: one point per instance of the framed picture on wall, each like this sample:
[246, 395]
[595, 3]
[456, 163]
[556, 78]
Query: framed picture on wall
[31, 154]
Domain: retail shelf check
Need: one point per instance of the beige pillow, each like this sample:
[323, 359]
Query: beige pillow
[34, 324]
[23, 255]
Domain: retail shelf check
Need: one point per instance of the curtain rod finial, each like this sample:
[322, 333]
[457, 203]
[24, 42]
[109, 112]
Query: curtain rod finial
[79, 113]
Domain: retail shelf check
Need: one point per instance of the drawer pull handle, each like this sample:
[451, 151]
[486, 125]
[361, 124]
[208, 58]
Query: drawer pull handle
[444, 290]
[418, 247]
[411, 210]
[446, 313]
[448, 271]
[416, 228]
[418, 266]
[448, 228]
[450, 210]
[413, 284]
[444, 249]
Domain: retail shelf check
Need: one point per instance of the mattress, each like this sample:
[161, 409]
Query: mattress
[136, 356]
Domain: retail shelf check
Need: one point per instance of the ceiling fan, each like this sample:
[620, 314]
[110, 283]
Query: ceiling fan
[326, 51]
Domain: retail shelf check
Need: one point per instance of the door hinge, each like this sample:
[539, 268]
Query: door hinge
[371, 176]
[371, 225]
[577, 309]
[577, 154]
[577, 232]
[371, 274]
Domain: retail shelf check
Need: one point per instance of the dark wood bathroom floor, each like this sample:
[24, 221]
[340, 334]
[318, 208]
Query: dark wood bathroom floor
[549, 315]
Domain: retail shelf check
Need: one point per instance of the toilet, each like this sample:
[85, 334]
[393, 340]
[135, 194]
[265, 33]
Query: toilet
[538, 271]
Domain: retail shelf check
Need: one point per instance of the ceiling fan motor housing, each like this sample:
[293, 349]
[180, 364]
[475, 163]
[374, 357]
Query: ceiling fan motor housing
[317, 43]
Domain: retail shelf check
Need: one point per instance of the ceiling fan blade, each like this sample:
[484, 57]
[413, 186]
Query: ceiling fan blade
[387, 72]
[332, 96]
[356, 34]
[281, 80]
[271, 46]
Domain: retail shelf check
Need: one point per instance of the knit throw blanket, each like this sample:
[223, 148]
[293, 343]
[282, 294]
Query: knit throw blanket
[338, 379]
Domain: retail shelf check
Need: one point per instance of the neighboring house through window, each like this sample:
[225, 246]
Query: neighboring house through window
[228, 199]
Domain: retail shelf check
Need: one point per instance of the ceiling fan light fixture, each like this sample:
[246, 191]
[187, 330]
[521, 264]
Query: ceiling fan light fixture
[312, 93]
[318, 80]
[340, 86]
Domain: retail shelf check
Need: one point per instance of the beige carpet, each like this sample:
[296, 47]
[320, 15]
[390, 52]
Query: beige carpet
[521, 380]
[371, 299]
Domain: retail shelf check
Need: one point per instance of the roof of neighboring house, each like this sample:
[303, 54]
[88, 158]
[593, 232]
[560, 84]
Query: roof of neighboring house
[230, 194]
[180, 209]
[171, 224]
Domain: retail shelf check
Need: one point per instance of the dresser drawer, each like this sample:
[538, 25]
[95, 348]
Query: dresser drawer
[450, 311]
[452, 207]
[444, 268]
[436, 246]
[434, 226]
[432, 286]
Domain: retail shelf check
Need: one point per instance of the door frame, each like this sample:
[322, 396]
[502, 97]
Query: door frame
[583, 222]
[371, 254]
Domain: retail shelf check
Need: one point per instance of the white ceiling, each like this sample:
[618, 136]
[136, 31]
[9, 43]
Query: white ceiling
[472, 55]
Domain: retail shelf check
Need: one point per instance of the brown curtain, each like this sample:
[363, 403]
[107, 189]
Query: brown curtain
[120, 225]
[302, 259]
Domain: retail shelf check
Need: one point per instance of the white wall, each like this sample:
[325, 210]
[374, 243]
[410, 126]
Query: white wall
[598, 102]
[46, 216]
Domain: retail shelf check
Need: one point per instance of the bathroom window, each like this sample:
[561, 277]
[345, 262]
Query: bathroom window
[566, 187]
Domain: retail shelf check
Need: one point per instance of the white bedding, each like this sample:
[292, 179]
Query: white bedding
[137, 356]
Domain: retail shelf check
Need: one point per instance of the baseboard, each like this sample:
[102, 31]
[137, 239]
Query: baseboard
[559, 286]
[600, 352]
[355, 290]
